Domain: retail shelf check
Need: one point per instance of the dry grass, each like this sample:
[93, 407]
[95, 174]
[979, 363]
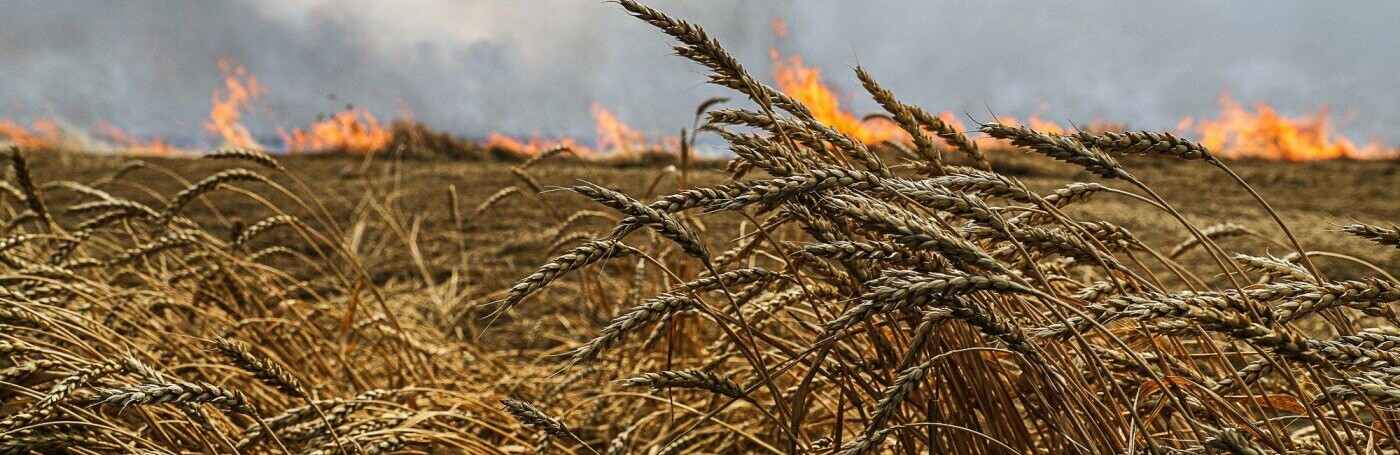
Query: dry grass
[816, 296]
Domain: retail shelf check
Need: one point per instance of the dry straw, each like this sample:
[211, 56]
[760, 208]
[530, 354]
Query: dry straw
[855, 307]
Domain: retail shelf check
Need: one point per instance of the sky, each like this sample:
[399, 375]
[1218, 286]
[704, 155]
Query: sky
[527, 67]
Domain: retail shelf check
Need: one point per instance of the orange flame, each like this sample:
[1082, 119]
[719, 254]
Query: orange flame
[1035, 122]
[805, 84]
[41, 133]
[353, 130]
[779, 28]
[615, 136]
[241, 89]
[1264, 133]
[534, 145]
[1045, 126]
[44, 133]
[1237, 132]
[128, 141]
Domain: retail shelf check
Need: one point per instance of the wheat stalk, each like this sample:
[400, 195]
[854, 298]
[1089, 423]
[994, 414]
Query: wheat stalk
[261, 368]
[1146, 142]
[173, 392]
[204, 186]
[1380, 235]
[245, 154]
[60, 392]
[494, 199]
[663, 223]
[1058, 147]
[25, 178]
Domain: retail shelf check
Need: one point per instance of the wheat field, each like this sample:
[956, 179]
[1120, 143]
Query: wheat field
[1087, 293]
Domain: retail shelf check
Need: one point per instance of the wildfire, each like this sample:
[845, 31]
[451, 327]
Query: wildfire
[804, 84]
[41, 134]
[129, 142]
[1045, 126]
[1264, 133]
[534, 145]
[356, 130]
[240, 89]
[1238, 131]
[353, 130]
[44, 133]
[615, 135]
[779, 28]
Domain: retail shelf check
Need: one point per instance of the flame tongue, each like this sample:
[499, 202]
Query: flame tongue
[532, 146]
[1238, 132]
[353, 131]
[42, 134]
[615, 135]
[128, 141]
[805, 84]
[1264, 133]
[241, 88]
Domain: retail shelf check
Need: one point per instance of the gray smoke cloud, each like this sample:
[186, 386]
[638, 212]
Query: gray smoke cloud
[535, 66]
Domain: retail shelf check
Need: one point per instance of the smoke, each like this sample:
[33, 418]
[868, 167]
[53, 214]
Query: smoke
[524, 67]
